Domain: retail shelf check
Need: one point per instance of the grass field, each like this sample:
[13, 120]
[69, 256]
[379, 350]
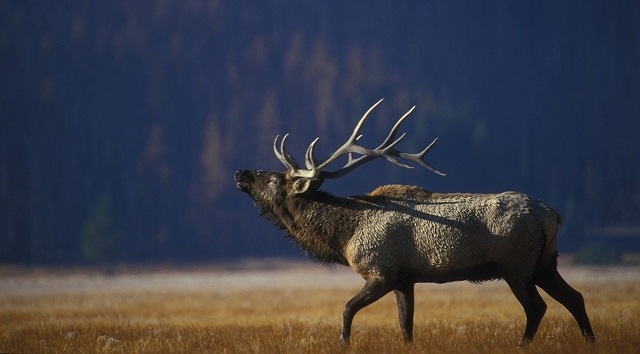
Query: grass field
[271, 307]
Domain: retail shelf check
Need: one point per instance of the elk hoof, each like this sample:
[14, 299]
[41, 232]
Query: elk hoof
[525, 342]
[344, 340]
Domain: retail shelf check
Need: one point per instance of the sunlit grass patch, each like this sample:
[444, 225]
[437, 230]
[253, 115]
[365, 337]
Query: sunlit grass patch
[280, 316]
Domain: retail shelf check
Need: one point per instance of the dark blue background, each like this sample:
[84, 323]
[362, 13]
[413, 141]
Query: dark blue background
[122, 123]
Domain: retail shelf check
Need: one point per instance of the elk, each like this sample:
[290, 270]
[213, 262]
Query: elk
[399, 235]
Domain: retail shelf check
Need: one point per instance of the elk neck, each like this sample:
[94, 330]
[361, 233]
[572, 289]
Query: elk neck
[320, 224]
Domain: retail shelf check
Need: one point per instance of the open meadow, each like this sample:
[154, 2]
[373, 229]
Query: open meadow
[275, 307]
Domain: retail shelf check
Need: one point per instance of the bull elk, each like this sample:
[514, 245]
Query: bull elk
[400, 235]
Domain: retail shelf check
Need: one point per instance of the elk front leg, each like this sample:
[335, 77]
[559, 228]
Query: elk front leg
[373, 290]
[404, 298]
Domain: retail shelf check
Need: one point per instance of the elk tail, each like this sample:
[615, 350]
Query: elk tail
[549, 255]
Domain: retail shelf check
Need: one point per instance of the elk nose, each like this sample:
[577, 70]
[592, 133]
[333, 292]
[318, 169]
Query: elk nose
[240, 174]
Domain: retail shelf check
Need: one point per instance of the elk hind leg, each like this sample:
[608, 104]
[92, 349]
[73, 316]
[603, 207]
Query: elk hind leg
[405, 299]
[533, 304]
[553, 284]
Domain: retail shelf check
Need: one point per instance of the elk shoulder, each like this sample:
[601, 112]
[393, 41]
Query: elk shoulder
[402, 192]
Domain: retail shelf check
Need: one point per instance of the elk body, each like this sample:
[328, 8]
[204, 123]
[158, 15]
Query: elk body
[400, 235]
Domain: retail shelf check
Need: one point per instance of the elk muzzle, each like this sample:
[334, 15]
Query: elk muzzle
[243, 180]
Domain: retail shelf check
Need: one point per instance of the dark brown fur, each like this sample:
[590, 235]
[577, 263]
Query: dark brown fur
[319, 223]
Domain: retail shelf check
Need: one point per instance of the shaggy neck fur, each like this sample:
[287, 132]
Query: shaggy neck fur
[319, 223]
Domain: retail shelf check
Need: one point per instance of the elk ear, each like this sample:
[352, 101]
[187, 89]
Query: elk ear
[303, 185]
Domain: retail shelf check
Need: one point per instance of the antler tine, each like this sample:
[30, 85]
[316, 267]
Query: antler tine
[350, 145]
[310, 160]
[279, 154]
[287, 160]
[287, 155]
[388, 153]
[419, 158]
[394, 130]
[354, 136]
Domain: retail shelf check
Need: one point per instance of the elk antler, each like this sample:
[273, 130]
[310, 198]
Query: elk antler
[386, 150]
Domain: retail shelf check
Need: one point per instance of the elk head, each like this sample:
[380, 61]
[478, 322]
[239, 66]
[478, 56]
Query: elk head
[272, 187]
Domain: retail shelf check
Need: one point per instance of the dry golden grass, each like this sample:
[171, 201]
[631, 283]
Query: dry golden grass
[294, 308]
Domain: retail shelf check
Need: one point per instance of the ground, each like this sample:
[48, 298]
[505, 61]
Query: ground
[274, 306]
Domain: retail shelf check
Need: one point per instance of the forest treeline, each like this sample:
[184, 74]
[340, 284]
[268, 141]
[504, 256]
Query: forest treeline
[122, 123]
